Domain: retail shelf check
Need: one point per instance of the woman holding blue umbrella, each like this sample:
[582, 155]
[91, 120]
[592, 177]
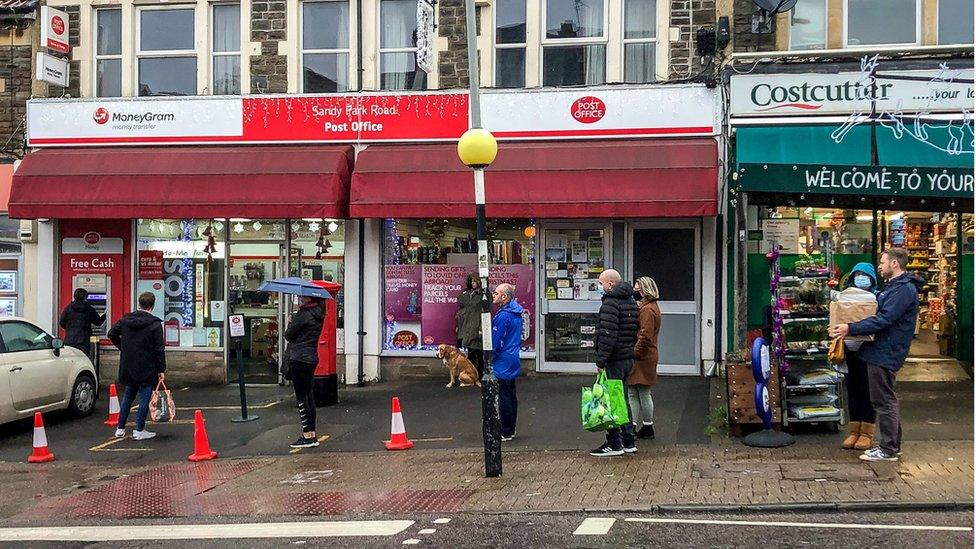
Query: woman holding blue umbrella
[302, 336]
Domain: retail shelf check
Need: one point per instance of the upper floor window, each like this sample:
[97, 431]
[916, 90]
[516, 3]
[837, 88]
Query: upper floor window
[640, 40]
[574, 50]
[808, 25]
[166, 53]
[398, 46]
[226, 49]
[882, 22]
[510, 44]
[956, 22]
[325, 47]
[108, 53]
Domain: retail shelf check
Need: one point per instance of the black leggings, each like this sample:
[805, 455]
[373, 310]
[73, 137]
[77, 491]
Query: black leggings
[477, 357]
[858, 392]
[302, 377]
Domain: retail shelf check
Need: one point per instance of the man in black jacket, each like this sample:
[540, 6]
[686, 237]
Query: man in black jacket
[616, 335]
[142, 362]
[77, 320]
[893, 327]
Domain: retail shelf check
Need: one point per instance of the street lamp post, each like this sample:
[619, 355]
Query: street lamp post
[477, 149]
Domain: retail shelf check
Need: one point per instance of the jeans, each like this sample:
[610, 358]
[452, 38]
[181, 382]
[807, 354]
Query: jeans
[641, 404]
[885, 402]
[303, 379]
[858, 390]
[145, 393]
[507, 406]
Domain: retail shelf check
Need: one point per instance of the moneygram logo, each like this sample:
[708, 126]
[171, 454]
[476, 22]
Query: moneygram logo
[101, 115]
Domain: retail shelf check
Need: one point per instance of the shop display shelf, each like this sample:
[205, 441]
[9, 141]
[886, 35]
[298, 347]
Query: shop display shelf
[821, 419]
[790, 320]
[817, 387]
[803, 277]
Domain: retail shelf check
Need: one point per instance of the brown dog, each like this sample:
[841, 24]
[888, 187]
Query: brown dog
[459, 366]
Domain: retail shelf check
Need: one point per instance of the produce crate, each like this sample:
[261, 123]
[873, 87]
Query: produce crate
[742, 397]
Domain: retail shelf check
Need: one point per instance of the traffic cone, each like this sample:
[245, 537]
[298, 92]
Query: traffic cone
[40, 453]
[398, 434]
[113, 407]
[201, 444]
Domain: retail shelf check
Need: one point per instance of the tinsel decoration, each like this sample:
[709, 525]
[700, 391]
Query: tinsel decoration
[188, 274]
[392, 244]
[779, 341]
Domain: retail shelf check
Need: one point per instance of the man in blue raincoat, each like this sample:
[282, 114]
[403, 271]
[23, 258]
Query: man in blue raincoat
[506, 342]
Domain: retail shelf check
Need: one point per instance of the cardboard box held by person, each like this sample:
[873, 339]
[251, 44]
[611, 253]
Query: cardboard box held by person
[847, 312]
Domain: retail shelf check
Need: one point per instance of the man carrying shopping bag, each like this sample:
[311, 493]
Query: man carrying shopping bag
[616, 335]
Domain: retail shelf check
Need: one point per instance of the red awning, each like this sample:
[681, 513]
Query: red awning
[183, 182]
[6, 177]
[568, 179]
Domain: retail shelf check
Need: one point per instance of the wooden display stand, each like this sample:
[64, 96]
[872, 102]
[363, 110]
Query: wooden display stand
[742, 397]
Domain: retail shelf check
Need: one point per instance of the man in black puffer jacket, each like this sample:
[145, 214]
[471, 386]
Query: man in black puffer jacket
[616, 335]
[77, 320]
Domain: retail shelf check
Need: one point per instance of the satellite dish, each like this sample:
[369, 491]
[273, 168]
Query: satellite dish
[776, 6]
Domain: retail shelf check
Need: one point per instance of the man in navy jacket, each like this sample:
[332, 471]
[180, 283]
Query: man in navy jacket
[893, 328]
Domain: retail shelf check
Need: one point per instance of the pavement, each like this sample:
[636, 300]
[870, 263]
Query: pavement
[546, 468]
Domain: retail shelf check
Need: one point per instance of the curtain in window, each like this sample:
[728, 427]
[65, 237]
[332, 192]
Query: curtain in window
[399, 26]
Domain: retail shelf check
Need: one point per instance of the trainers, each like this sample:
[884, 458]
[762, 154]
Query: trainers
[630, 449]
[120, 433]
[647, 431]
[508, 438]
[142, 435]
[607, 451]
[877, 454]
[303, 442]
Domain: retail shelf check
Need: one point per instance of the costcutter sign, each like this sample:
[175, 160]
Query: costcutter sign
[371, 118]
[798, 94]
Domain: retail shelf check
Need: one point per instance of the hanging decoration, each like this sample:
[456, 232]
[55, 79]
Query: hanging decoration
[392, 244]
[779, 342]
[322, 244]
[211, 247]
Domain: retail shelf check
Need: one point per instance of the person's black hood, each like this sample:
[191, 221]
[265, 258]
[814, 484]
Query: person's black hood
[78, 305]
[317, 311]
[139, 320]
[621, 290]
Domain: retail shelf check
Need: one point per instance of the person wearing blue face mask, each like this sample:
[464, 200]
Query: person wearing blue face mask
[860, 285]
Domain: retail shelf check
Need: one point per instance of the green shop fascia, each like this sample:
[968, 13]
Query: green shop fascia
[862, 166]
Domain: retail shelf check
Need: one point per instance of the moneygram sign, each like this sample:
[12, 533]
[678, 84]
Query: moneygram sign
[681, 110]
[793, 94]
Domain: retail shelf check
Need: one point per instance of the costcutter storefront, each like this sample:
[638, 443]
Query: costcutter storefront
[200, 199]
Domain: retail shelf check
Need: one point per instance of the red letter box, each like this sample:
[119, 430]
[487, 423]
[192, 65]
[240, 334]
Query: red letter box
[326, 389]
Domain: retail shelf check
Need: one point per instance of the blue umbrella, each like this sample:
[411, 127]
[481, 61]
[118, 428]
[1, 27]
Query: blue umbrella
[294, 285]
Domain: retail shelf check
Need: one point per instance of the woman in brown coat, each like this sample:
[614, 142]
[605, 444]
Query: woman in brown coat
[644, 373]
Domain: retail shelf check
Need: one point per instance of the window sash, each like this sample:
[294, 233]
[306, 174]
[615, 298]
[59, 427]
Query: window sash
[162, 53]
[824, 30]
[602, 39]
[301, 27]
[917, 28]
[99, 58]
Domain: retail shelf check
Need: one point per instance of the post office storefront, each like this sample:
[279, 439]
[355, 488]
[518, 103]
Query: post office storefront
[300, 185]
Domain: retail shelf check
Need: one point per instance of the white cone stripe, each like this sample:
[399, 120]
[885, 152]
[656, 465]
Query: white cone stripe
[396, 427]
[40, 439]
[113, 405]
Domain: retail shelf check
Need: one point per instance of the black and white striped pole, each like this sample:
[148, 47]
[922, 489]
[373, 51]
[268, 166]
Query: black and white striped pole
[477, 148]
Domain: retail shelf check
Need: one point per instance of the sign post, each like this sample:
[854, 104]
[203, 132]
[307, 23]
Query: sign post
[237, 332]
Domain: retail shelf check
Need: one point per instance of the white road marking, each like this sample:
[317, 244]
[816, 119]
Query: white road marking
[804, 524]
[209, 531]
[411, 541]
[442, 521]
[427, 531]
[594, 527]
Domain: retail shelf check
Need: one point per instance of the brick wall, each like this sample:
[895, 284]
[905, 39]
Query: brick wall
[452, 64]
[15, 70]
[688, 16]
[269, 71]
[74, 40]
[743, 39]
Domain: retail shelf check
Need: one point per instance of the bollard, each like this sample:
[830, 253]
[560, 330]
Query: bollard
[240, 383]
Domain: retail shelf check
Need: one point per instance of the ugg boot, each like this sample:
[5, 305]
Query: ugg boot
[851, 439]
[864, 439]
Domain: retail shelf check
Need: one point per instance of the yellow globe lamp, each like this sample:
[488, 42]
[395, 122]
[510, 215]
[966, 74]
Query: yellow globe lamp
[477, 148]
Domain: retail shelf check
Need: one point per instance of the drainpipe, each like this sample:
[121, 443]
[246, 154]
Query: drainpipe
[360, 366]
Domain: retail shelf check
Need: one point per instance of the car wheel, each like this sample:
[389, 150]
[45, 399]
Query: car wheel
[82, 396]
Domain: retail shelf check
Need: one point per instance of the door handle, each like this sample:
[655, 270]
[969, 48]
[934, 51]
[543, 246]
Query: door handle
[16, 369]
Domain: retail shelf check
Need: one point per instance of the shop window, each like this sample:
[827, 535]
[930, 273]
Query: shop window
[325, 47]
[188, 283]
[226, 48]
[882, 22]
[9, 235]
[574, 50]
[166, 53]
[510, 44]
[317, 253]
[398, 46]
[640, 40]
[108, 53]
[808, 25]
[956, 22]
[426, 263]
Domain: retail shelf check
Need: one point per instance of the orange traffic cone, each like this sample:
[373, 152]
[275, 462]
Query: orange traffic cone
[201, 444]
[113, 407]
[398, 434]
[40, 453]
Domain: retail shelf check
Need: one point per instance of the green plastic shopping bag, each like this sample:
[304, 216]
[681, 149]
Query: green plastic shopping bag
[617, 398]
[595, 407]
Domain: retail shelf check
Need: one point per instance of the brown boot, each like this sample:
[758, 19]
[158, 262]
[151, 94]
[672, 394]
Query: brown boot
[848, 443]
[864, 440]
